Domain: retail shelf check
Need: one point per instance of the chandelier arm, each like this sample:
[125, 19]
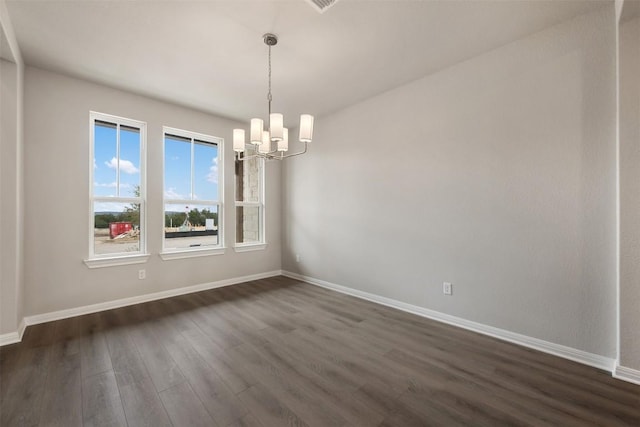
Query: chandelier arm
[242, 158]
[283, 156]
[271, 155]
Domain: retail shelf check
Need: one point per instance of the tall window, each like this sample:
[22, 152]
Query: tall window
[192, 191]
[249, 201]
[117, 187]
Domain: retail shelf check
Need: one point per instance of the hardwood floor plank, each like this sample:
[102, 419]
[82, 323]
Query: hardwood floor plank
[101, 402]
[162, 369]
[247, 421]
[62, 400]
[268, 408]
[221, 403]
[290, 386]
[184, 407]
[142, 404]
[232, 372]
[94, 354]
[24, 387]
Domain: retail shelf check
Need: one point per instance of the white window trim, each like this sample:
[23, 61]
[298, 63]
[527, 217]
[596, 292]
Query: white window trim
[190, 253]
[249, 247]
[262, 243]
[109, 260]
[115, 261]
[181, 253]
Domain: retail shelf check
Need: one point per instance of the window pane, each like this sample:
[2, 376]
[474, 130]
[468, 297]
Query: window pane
[105, 160]
[248, 179]
[190, 226]
[117, 228]
[177, 167]
[205, 171]
[129, 162]
[247, 224]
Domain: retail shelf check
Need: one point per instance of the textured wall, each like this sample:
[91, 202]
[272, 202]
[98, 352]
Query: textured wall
[57, 205]
[497, 174]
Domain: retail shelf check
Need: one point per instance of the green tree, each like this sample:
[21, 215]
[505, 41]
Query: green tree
[195, 218]
[132, 212]
[173, 219]
[103, 220]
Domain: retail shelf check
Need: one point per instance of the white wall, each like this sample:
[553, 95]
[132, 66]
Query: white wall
[9, 170]
[11, 180]
[497, 174]
[629, 46]
[57, 206]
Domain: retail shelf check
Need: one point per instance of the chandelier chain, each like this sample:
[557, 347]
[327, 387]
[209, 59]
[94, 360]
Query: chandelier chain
[269, 97]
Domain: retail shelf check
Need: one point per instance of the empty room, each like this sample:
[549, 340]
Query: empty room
[319, 213]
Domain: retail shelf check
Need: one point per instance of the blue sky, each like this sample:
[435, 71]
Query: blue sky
[178, 173]
[105, 165]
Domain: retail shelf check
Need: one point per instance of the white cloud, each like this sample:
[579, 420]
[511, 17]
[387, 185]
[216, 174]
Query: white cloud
[112, 184]
[212, 176]
[110, 207]
[106, 184]
[125, 166]
[95, 165]
[172, 194]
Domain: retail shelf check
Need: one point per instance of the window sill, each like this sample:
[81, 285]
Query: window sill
[190, 253]
[250, 247]
[116, 261]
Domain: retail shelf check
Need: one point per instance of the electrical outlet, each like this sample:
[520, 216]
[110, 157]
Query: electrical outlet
[142, 274]
[297, 257]
[447, 288]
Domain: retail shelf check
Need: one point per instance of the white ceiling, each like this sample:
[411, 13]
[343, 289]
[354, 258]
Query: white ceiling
[210, 55]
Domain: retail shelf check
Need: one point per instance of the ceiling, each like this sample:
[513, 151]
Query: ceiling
[210, 55]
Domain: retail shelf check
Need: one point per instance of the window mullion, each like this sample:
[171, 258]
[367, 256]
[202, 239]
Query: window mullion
[118, 160]
[192, 166]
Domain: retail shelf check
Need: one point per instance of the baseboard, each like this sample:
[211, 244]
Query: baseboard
[565, 352]
[14, 337]
[627, 374]
[9, 338]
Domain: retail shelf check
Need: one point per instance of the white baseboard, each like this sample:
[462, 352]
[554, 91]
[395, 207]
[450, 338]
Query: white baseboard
[14, 337]
[9, 338]
[565, 352]
[627, 374]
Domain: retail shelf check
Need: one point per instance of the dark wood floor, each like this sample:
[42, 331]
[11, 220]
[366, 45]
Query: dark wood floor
[278, 352]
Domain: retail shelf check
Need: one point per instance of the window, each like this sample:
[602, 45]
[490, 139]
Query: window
[192, 192]
[249, 202]
[117, 187]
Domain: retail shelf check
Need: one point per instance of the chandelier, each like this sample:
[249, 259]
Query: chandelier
[273, 142]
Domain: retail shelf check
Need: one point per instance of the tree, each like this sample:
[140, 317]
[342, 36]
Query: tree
[195, 218]
[102, 220]
[173, 219]
[132, 212]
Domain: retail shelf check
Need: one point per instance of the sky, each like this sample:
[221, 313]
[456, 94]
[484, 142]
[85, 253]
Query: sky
[181, 182]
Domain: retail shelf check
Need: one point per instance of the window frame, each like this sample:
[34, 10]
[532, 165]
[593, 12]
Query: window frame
[121, 258]
[219, 249]
[260, 204]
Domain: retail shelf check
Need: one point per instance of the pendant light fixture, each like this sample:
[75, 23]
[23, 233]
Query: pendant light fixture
[271, 141]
